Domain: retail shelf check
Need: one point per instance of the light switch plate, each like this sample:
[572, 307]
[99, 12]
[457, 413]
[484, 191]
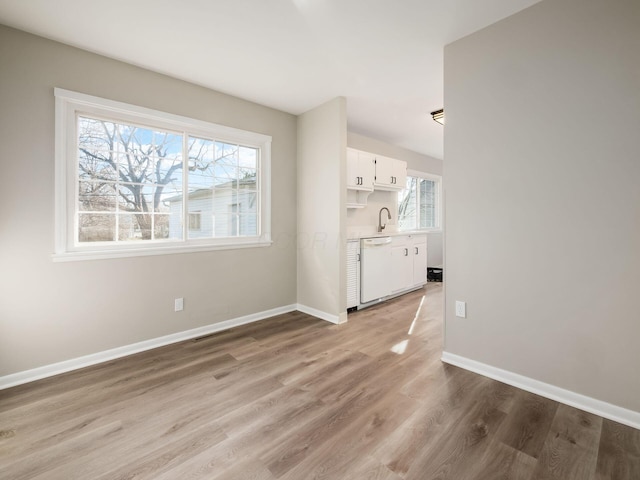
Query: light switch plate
[461, 309]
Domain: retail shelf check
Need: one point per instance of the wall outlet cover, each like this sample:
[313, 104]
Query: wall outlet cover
[461, 309]
[179, 304]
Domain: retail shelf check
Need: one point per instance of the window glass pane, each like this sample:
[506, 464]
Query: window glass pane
[95, 227]
[162, 228]
[97, 165]
[96, 136]
[427, 203]
[200, 201]
[135, 197]
[224, 225]
[167, 145]
[200, 149]
[248, 157]
[134, 227]
[96, 197]
[248, 225]
[226, 155]
[247, 178]
[407, 205]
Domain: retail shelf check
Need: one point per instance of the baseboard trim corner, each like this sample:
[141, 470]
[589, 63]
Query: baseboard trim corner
[336, 319]
[65, 366]
[573, 399]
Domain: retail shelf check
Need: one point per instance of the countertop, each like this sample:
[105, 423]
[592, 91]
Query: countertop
[372, 233]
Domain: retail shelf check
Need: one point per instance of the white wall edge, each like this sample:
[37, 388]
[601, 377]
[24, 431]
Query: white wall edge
[337, 319]
[38, 373]
[573, 399]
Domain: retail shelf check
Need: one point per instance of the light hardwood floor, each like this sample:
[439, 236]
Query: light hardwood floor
[297, 398]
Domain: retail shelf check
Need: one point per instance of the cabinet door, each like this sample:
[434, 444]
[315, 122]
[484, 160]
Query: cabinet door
[391, 174]
[398, 268]
[401, 267]
[384, 171]
[360, 170]
[366, 169]
[419, 253]
[352, 169]
[399, 173]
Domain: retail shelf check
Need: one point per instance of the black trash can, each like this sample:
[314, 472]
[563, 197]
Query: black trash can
[434, 274]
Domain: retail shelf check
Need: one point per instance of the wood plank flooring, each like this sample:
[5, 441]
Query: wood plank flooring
[297, 398]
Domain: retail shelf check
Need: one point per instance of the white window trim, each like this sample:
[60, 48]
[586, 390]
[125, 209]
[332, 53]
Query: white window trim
[438, 180]
[68, 103]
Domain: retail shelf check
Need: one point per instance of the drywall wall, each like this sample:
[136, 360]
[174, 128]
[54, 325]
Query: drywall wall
[359, 219]
[322, 151]
[50, 312]
[542, 200]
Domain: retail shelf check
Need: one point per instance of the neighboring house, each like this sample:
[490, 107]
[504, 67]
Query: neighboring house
[220, 211]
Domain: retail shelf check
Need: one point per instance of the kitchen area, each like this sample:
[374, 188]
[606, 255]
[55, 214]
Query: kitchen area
[393, 221]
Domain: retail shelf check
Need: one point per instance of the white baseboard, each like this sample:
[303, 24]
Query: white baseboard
[94, 358]
[337, 319]
[582, 402]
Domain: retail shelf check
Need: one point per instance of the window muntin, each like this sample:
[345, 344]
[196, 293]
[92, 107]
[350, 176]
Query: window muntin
[122, 173]
[419, 203]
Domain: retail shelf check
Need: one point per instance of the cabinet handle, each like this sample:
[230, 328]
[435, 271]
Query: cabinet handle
[406, 252]
[416, 250]
[393, 179]
[357, 257]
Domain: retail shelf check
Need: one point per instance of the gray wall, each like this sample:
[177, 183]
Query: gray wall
[542, 149]
[51, 312]
[322, 164]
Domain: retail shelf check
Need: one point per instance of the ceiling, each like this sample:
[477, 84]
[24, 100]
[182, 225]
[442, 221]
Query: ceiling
[384, 56]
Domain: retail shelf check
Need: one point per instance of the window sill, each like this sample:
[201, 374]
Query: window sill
[75, 256]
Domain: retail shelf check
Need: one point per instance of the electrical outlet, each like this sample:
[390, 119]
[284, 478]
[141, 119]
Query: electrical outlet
[179, 304]
[461, 309]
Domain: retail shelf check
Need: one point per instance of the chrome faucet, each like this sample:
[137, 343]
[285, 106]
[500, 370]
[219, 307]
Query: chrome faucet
[380, 226]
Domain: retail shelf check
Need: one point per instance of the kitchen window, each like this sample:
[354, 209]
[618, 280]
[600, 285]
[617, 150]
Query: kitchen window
[419, 202]
[134, 181]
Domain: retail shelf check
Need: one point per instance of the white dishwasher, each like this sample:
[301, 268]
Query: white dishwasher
[375, 265]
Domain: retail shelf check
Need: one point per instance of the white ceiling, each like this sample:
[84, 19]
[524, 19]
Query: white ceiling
[384, 56]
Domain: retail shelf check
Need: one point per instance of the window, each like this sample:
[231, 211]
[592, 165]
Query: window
[419, 203]
[195, 219]
[134, 181]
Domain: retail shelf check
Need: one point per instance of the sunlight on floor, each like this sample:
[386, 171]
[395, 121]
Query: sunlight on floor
[413, 324]
[400, 348]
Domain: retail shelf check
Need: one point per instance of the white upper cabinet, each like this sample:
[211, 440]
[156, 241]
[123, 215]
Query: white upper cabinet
[391, 174]
[360, 170]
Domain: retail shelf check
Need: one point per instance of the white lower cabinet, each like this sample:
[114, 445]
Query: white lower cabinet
[420, 260]
[401, 266]
[409, 262]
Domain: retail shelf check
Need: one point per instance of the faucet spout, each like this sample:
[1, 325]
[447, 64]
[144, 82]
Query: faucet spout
[380, 226]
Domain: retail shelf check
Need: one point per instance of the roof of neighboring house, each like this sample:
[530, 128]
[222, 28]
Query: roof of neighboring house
[207, 192]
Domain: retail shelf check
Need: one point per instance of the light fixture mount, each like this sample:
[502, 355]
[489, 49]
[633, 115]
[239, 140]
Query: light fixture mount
[438, 116]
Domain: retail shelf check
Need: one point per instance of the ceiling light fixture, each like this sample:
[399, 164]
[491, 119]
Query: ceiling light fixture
[438, 116]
